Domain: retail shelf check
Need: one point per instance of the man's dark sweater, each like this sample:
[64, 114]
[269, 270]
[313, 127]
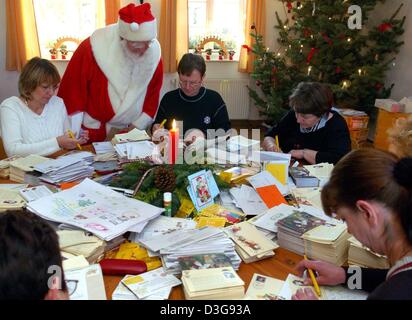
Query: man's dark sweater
[207, 110]
[332, 141]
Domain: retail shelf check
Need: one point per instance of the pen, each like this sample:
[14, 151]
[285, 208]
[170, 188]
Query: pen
[163, 123]
[312, 276]
[277, 142]
[72, 136]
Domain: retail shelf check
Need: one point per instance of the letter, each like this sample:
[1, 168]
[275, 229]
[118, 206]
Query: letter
[355, 280]
[163, 310]
[208, 309]
[55, 281]
[355, 21]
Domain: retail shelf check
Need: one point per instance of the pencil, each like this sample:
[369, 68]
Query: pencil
[163, 123]
[277, 142]
[72, 136]
[312, 276]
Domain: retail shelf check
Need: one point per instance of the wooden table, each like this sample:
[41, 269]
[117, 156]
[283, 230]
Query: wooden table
[279, 266]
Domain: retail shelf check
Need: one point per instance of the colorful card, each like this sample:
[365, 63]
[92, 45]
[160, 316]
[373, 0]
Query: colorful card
[200, 190]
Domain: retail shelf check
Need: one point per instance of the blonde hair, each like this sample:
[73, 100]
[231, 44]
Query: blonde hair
[400, 136]
[35, 73]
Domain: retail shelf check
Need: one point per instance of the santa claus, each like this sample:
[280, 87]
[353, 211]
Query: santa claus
[115, 76]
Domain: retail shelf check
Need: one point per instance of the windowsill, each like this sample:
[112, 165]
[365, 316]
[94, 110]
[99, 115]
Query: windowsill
[58, 60]
[236, 61]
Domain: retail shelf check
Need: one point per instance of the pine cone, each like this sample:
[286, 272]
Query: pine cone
[165, 179]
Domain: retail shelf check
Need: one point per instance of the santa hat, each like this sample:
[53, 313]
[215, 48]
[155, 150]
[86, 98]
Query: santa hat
[137, 23]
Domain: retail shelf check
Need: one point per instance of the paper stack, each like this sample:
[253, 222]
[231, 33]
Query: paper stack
[65, 169]
[123, 293]
[328, 243]
[242, 144]
[188, 242]
[307, 196]
[79, 243]
[212, 284]
[220, 156]
[251, 244]
[21, 166]
[248, 200]
[362, 256]
[136, 151]
[131, 136]
[292, 228]
[86, 283]
[10, 199]
[95, 208]
[302, 178]
[276, 163]
[147, 284]
[5, 167]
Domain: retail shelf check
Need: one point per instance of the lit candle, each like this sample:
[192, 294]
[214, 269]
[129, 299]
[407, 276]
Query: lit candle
[173, 143]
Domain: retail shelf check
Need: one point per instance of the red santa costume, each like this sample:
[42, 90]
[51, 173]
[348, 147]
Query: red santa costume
[112, 88]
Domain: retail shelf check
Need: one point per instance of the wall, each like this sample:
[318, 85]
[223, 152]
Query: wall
[399, 74]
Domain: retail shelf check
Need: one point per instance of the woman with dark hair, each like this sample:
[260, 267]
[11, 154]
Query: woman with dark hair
[311, 131]
[36, 122]
[372, 191]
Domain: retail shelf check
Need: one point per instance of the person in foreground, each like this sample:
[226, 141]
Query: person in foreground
[311, 131]
[115, 75]
[198, 108]
[30, 256]
[36, 122]
[372, 191]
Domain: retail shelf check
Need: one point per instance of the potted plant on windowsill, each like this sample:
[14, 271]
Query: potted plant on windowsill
[208, 53]
[221, 54]
[64, 52]
[231, 54]
[53, 53]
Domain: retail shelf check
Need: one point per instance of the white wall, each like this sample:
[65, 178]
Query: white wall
[399, 74]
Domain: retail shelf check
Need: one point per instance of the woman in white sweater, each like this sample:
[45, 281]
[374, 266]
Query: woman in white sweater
[36, 122]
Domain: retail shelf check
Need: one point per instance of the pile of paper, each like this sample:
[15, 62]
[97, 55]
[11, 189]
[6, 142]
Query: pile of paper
[248, 200]
[79, 243]
[242, 144]
[362, 256]
[95, 208]
[308, 197]
[5, 167]
[251, 244]
[276, 163]
[123, 293]
[103, 147]
[149, 284]
[220, 156]
[131, 136]
[10, 199]
[329, 238]
[135, 151]
[66, 169]
[188, 242]
[21, 166]
[212, 284]
[328, 243]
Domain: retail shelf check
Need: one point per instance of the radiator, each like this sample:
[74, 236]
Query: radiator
[235, 94]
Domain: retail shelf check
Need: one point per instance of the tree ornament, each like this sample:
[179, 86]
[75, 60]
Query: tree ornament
[385, 27]
[327, 39]
[311, 54]
[338, 70]
[165, 179]
[290, 6]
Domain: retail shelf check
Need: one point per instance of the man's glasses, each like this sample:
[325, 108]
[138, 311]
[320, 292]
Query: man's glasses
[192, 84]
[71, 286]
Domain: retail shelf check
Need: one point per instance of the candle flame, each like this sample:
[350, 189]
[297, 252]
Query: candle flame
[174, 124]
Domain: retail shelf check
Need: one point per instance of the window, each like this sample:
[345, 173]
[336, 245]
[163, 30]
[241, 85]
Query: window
[224, 19]
[62, 19]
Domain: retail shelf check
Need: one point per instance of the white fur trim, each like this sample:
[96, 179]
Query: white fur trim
[145, 31]
[128, 80]
[143, 122]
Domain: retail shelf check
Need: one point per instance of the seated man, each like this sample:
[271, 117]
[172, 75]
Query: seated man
[30, 263]
[311, 131]
[193, 104]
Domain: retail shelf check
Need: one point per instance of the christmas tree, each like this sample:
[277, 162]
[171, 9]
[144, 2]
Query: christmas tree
[326, 41]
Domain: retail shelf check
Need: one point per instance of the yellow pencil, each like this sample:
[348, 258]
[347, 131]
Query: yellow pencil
[72, 136]
[315, 283]
[163, 123]
[277, 142]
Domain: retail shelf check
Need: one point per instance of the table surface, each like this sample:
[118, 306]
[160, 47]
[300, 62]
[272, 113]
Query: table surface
[278, 266]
